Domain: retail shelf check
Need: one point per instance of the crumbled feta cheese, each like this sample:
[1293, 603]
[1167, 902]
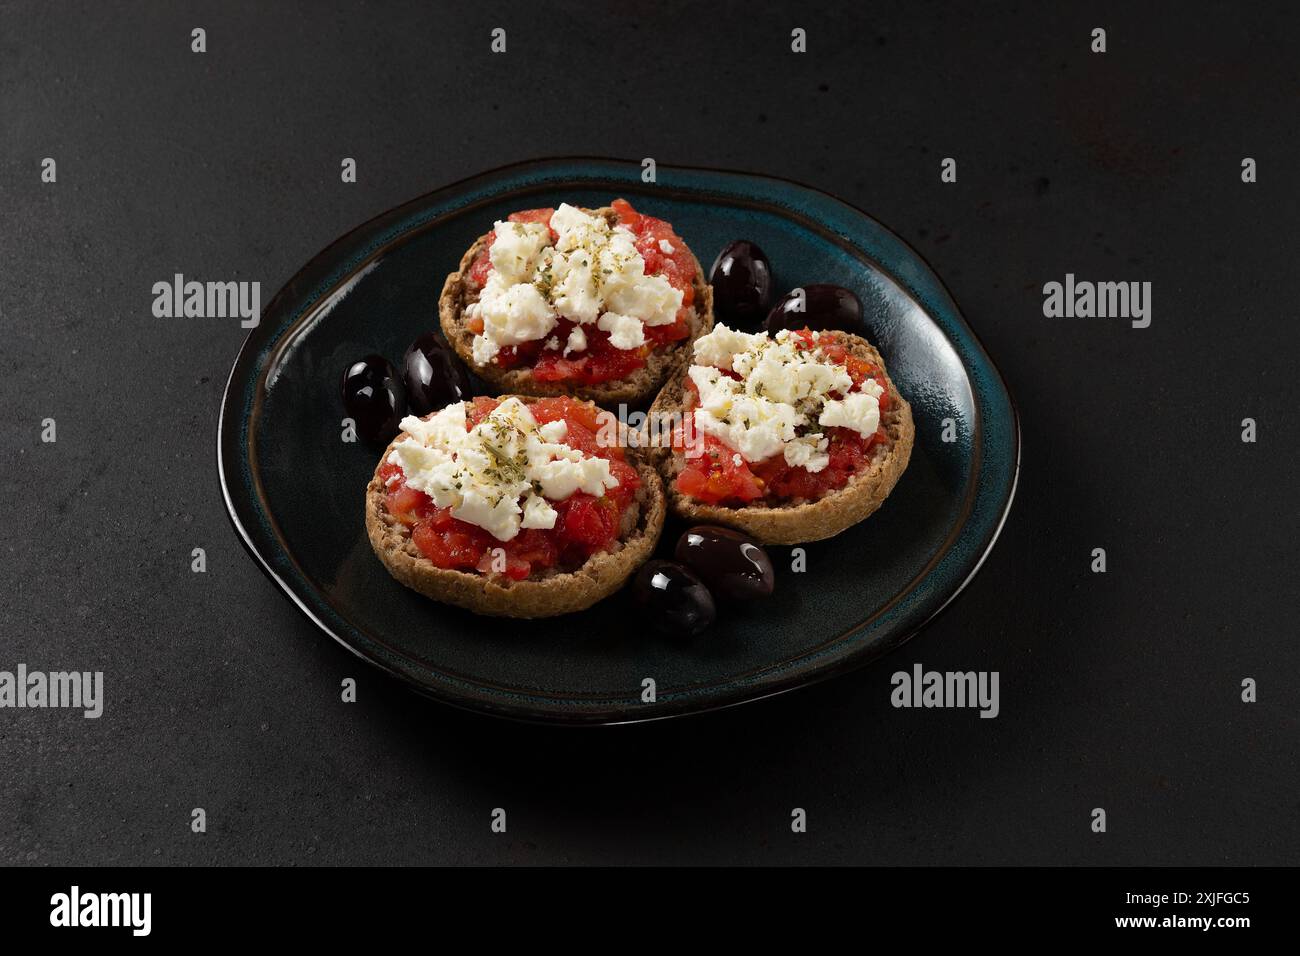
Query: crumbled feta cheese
[511, 314]
[808, 452]
[666, 247]
[574, 291]
[782, 395]
[871, 387]
[570, 220]
[857, 410]
[577, 341]
[554, 432]
[722, 343]
[652, 299]
[592, 269]
[484, 473]
[749, 424]
[516, 248]
[624, 331]
[780, 371]
[538, 513]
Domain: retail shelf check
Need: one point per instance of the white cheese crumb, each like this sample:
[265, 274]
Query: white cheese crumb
[512, 315]
[515, 250]
[577, 341]
[857, 410]
[538, 513]
[625, 332]
[721, 344]
[808, 452]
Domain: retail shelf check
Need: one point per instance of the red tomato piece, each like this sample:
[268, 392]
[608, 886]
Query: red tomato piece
[482, 264]
[480, 408]
[627, 216]
[589, 521]
[716, 476]
[403, 502]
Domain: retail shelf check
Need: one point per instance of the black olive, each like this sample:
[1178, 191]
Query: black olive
[374, 398]
[823, 307]
[742, 282]
[733, 565]
[433, 376]
[674, 600]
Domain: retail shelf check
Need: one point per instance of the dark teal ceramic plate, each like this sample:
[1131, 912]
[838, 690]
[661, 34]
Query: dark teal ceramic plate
[295, 491]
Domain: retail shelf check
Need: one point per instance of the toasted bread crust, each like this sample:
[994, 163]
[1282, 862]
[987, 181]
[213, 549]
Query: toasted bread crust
[636, 389]
[561, 593]
[803, 521]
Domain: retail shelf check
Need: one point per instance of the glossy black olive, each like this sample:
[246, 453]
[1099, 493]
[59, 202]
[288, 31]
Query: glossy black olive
[824, 307]
[742, 282]
[374, 398]
[433, 375]
[674, 600]
[733, 565]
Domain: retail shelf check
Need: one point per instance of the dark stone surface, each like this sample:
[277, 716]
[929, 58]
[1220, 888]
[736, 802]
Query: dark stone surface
[1118, 691]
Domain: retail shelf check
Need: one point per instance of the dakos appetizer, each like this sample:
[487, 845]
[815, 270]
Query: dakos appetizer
[790, 436]
[513, 507]
[599, 303]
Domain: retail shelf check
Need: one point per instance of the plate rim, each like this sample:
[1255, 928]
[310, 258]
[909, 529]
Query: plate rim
[740, 694]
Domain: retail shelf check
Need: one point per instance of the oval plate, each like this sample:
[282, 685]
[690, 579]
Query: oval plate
[295, 491]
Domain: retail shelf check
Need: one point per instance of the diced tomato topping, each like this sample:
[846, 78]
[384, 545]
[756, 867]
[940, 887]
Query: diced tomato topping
[589, 522]
[584, 422]
[716, 478]
[627, 216]
[599, 362]
[847, 449]
[570, 410]
[499, 561]
[482, 264]
[462, 547]
[714, 475]
[585, 524]
[535, 546]
[803, 338]
[666, 254]
[406, 504]
[513, 356]
[479, 409]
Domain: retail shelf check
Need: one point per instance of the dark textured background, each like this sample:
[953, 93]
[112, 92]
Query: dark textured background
[1118, 690]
